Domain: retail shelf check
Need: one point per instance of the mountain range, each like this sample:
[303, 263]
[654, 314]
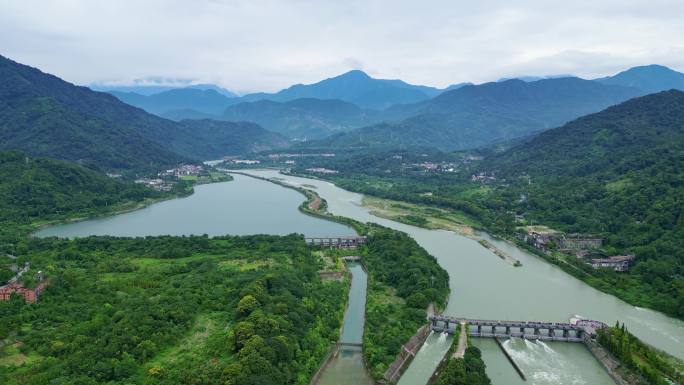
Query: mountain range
[479, 115]
[356, 110]
[46, 116]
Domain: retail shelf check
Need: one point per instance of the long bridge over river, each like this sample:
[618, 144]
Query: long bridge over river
[574, 331]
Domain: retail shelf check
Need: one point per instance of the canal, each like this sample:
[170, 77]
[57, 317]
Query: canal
[482, 285]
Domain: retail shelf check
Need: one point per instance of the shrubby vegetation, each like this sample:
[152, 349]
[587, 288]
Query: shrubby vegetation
[403, 280]
[656, 367]
[172, 310]
[469, 370]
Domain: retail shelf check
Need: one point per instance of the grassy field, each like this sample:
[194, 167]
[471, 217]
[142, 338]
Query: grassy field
[420, 215]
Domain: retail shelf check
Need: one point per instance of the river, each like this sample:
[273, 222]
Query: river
[482, 285]
[242, 207]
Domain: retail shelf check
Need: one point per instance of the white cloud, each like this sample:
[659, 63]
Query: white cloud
[269, 44]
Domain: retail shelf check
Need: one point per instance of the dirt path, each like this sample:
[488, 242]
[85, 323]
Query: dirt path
[462, 342]
[315, 204]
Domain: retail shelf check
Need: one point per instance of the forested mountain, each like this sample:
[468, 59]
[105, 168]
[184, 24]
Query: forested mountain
[354, 87]
[32, 188]
[302, 118]
[618, 173]
[46, 116]
[650, 78]
[474, 116]
[168, 102]
[215, 139]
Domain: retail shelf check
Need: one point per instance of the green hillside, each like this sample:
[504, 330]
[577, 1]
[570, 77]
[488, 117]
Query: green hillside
[303, 118]
[41, 188]
[43, 115]
[619, 174]
[475, 116]
[214, 139]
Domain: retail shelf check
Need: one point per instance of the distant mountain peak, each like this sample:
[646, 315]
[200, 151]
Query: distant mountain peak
[358, 74]
[650, 78]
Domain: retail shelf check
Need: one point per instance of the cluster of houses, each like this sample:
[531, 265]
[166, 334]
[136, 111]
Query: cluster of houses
[245, 161]
[483, 177]
[582, 246]
[184, 170]
[155, 183]
[14, 285]
[437, 167]
[321, 170]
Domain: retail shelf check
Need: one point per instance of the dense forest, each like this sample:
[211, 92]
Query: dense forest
[403, 280]
[172, 310]
[40, 188]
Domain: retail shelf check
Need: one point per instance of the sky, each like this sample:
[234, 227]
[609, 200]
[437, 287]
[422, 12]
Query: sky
[266, 45]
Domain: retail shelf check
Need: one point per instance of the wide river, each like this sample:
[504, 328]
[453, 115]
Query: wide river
[482, 285]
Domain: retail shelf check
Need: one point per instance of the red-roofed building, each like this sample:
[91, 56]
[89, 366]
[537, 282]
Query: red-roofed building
[30, 295]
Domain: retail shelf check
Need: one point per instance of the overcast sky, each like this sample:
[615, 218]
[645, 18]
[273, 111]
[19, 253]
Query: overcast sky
[266, 45]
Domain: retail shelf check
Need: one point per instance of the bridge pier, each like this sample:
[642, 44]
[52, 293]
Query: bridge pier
[565, 333]
[508, 330]
[552, 333]
[479, 329]
[536, 331]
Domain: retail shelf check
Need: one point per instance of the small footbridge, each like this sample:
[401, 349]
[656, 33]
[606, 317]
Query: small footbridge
[574, 331]
[336, 242]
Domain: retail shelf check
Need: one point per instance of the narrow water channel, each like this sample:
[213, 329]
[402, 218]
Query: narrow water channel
[347, 366]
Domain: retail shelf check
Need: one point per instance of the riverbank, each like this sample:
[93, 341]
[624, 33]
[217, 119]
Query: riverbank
[127, 207]
[433, 218]
[123, 208]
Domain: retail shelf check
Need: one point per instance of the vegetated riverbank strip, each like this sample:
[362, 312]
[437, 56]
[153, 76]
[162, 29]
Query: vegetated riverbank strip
[431, 222]
[489, 246]
[311, 196]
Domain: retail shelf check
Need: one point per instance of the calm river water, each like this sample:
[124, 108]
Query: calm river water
[244, 206]
[482, 285]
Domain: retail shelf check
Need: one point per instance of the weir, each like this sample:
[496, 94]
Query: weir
[336, 242]
[573, 331]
